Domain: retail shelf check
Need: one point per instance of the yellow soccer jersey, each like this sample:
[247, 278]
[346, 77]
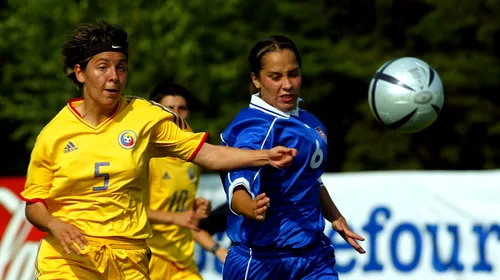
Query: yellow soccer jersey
[95, 177]
[173, 185]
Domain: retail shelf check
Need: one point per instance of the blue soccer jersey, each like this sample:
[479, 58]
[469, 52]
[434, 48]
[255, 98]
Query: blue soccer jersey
[294, 219]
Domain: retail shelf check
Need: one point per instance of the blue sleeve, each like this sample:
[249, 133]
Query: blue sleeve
[250, 134]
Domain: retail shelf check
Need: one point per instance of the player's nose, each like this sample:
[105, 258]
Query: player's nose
[113, 74]
[286, 83]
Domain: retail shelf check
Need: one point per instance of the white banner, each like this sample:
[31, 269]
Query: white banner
[417, 225]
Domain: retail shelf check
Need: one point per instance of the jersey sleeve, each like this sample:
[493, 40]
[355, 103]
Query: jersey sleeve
[320, 182]
[173, 137]
[40, 175]
[254, 137]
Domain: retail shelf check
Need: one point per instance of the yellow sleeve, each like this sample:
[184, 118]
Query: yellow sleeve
[177, 142]
[172, 136]
[40, 175]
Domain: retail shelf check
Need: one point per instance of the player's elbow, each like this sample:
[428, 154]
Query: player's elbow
[29, 213]
[210, 157]
[242, 203]
[34, 212]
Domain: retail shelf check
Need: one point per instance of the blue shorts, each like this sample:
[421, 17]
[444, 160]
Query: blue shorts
[315, 263]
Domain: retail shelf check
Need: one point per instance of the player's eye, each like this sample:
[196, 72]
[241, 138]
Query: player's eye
[101, 67]
[122, 68]
[294, 73]
[275, 77]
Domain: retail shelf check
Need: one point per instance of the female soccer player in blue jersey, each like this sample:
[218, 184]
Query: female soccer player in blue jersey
[277, 218]
[89, 167]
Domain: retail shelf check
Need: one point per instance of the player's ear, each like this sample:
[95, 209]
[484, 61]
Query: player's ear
[79, 73]
[256, 81]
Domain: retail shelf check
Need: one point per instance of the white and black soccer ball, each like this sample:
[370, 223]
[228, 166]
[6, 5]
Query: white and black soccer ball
[406, 94]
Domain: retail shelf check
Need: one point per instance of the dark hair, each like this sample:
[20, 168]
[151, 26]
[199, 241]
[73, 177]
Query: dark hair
[271, 44]
[87, 40]
[169, 88]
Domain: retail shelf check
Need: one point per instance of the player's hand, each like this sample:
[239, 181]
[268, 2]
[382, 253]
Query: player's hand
[281, 157]
[202, 207]
[67, 235]
[340, 225]
[262, 203]
[187, 219]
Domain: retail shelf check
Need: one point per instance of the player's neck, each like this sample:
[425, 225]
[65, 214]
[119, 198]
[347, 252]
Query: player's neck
[94, 114]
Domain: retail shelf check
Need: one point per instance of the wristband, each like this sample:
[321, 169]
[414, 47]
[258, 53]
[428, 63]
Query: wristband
[214, 248]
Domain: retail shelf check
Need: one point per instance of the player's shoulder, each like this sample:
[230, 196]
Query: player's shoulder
[309, 118]
[147, 109]
[248, 118]
[136, 100]
[61, 122]
[248, 123]
[249, 115]
[137, 103]
[306, 114]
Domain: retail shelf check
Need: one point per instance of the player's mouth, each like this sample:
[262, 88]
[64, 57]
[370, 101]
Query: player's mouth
[286, 98]
[111, 91]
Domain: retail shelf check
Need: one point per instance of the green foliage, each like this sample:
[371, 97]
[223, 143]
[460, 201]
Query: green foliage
[204, 45]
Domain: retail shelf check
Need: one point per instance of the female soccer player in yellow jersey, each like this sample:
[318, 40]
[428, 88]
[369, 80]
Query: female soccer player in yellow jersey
[89, 167]
[173, 208]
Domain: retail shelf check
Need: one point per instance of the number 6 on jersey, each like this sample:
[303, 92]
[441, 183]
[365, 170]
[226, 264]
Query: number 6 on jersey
[317, 157]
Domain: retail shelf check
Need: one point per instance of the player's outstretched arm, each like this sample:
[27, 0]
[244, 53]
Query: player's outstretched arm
[243, 204]
[339, 223]
[223, 158]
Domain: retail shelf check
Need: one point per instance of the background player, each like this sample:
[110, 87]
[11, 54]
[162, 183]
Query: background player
[216, 222]
[173, 207]
[89, 167]
[277, 218]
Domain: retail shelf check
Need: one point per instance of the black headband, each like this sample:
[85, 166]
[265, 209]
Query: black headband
[105, 47]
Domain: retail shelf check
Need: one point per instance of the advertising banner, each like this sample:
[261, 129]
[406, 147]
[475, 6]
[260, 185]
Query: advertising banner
[417, 225]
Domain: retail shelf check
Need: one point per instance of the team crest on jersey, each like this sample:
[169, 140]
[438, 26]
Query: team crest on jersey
[321, 133]
[191, 173]
[127, 139]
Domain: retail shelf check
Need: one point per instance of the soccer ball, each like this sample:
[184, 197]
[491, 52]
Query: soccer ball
[406, 94]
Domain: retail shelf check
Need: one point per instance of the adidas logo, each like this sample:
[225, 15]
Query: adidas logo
[70, 147]
[166, 176]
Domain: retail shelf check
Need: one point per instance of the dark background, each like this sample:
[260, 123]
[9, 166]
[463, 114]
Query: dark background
[204, 45]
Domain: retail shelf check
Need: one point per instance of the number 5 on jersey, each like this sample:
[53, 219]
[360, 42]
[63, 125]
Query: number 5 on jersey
[98, 174]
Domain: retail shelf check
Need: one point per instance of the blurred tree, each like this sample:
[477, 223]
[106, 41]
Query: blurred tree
[33, 87]
[204, 45]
